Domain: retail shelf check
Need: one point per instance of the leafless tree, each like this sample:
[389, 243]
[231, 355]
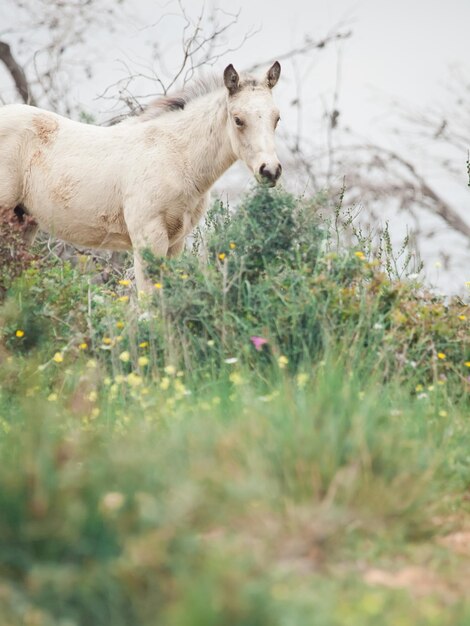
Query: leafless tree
[385, 182]
[53, 46]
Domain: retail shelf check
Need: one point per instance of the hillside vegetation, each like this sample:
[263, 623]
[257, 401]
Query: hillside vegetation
[277, 436]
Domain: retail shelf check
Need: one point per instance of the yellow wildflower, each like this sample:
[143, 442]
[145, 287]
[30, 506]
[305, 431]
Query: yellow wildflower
[83, 345]
[184, 276]
[165, 383]
[462, 318]
[124, 282]
[180, 388]
[419, 388]
[92, 396]
[232, 245]
[442, 413]
[5, 425]
[170, 370]
[58, 358]
[125, 356]
[52, 397]
[91, 364]
[221, 256]
[467, 363]
[302, 380]
[107, 341]
[282, 361]
[441, 355]
[158, 285]
[119, 324]
[235, 378]
[143, 361]
[360, 255]
[123, 298]
[134, 380]
[144, 344]
[113, 390]
[19, 333]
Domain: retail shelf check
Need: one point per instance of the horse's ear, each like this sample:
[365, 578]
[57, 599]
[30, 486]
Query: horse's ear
[231, 79]
[273, 74]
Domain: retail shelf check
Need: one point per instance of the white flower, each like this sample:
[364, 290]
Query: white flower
[112, 501]
[146, 316]
[231, 360]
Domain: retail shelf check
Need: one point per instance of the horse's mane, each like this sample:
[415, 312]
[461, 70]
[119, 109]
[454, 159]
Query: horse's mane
[193, 91]
[181, 99]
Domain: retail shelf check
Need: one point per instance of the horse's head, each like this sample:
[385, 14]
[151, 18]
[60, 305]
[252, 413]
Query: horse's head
[252, 120]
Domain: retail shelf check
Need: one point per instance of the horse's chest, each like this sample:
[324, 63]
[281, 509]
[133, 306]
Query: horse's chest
[179, 223]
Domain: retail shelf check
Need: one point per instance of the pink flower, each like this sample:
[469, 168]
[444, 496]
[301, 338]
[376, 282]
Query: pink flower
[258, 342]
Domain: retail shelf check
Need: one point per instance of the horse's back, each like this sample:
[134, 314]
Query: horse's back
[14, 117]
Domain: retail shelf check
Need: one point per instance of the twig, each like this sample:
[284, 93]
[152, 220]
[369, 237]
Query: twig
[17, 74]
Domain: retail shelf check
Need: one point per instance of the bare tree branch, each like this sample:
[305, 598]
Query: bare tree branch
[17, 74]
[307, 47]
[437, 204]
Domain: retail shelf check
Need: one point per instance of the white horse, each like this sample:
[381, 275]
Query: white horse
[143, 182]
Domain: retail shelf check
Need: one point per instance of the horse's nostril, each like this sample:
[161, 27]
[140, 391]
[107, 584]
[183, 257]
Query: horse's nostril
[270, 173]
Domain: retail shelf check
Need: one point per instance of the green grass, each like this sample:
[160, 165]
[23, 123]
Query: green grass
[158, 470]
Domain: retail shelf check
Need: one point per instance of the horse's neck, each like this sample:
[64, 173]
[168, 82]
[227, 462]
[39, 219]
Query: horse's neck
[202, 132]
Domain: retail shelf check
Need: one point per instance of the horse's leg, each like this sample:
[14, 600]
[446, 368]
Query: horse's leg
[150, 234]
[176, 248]
[28, 225]
[30, 233]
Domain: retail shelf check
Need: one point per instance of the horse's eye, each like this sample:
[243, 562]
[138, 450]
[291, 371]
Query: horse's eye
[239, 122]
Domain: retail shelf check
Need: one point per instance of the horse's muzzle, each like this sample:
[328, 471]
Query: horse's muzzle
[269, 174]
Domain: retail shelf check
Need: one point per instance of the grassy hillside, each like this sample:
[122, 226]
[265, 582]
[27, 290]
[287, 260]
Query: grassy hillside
[278, 435]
